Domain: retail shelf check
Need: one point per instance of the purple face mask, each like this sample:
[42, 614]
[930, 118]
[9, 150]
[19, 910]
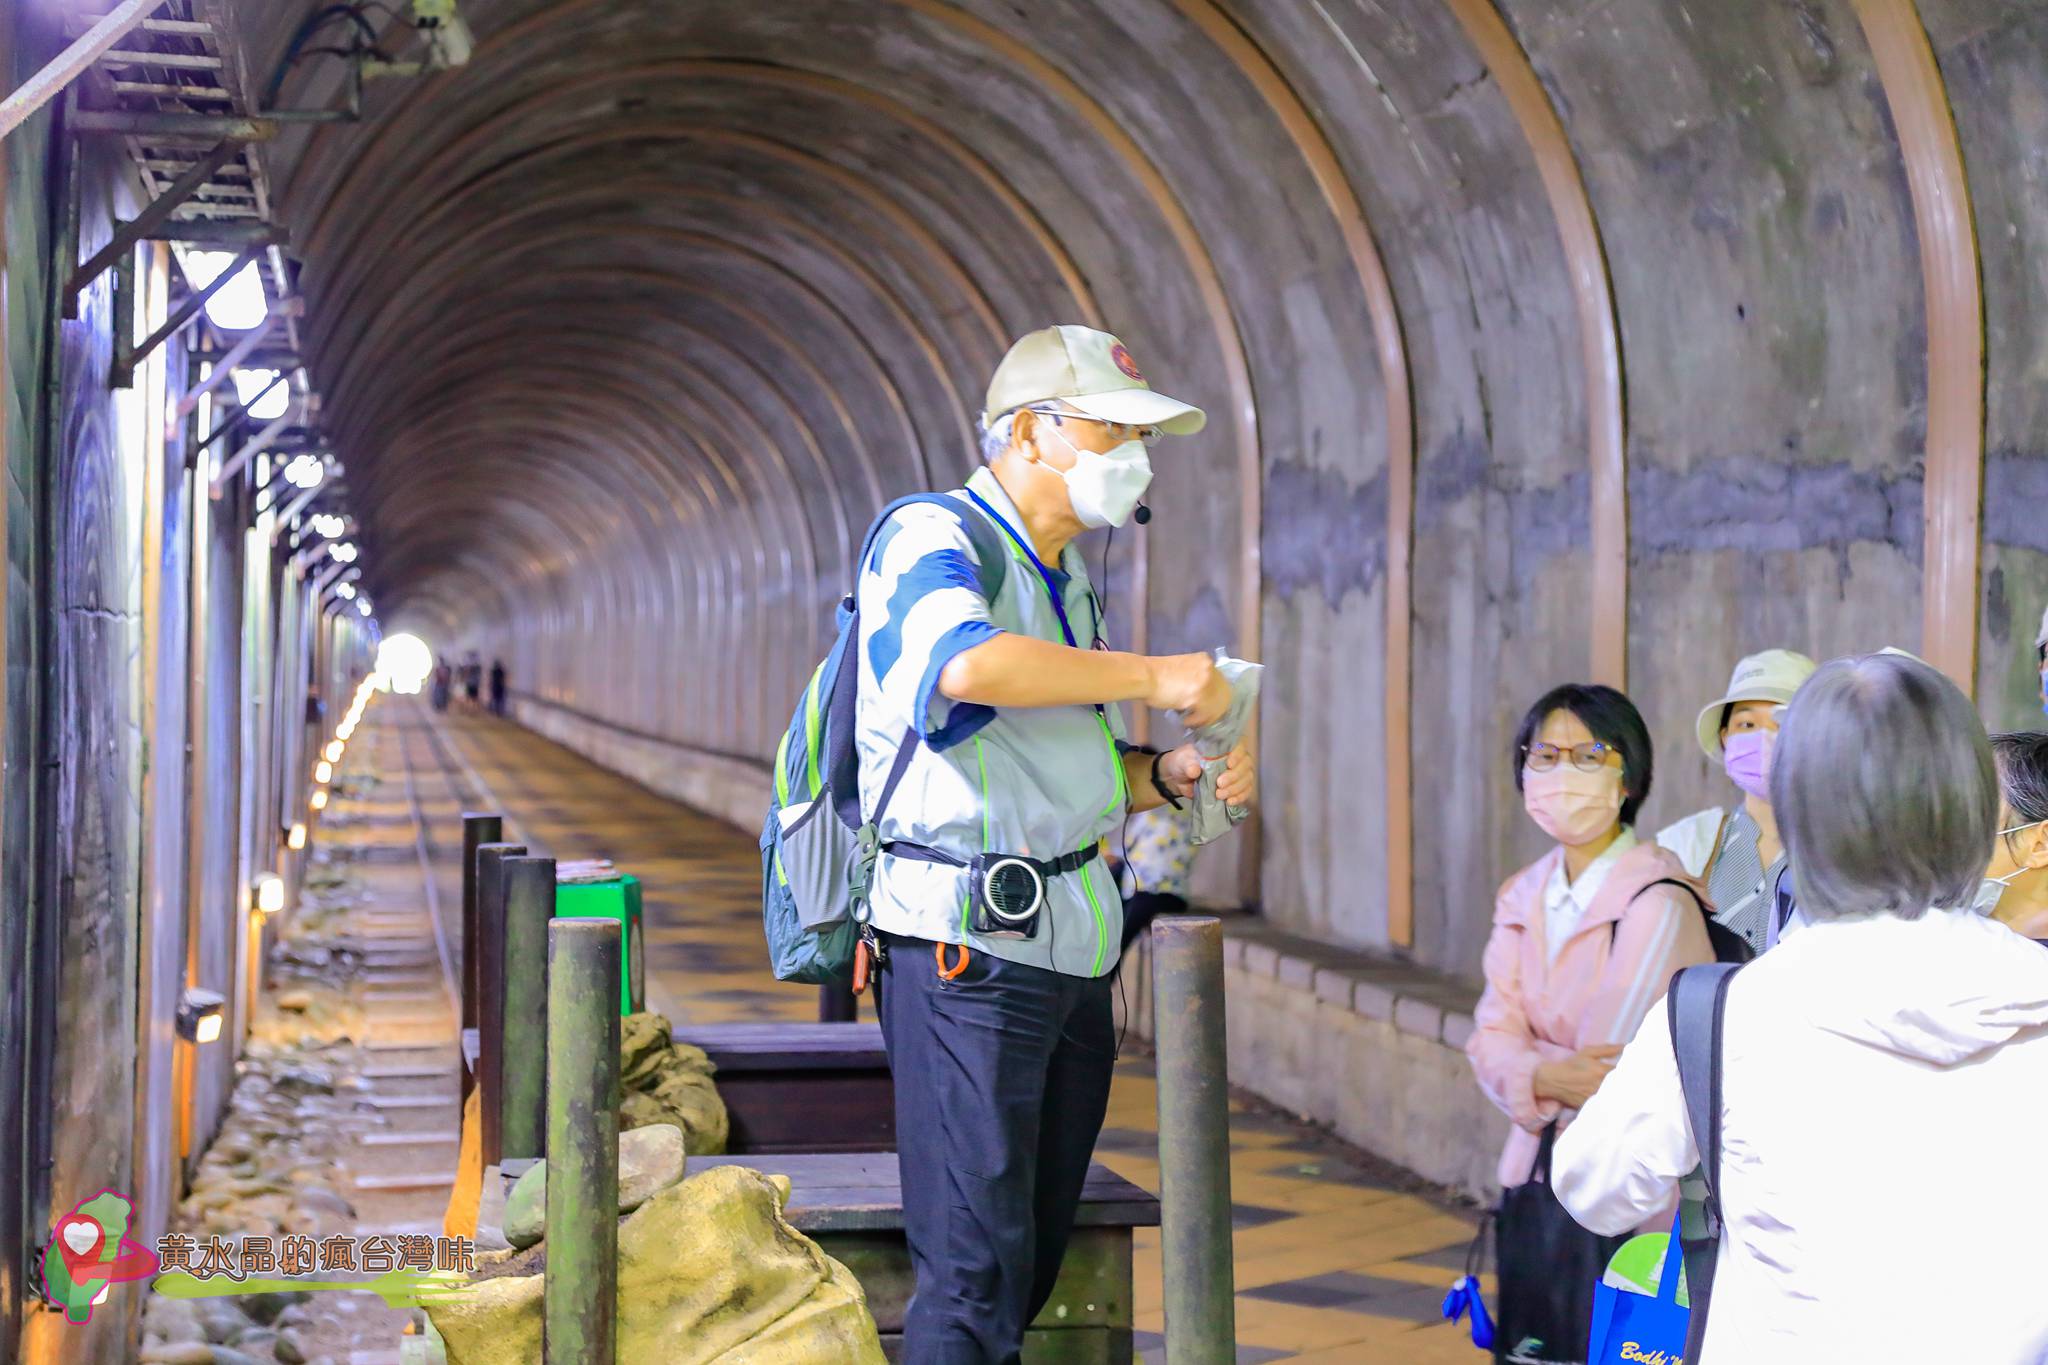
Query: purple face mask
[1747, 757]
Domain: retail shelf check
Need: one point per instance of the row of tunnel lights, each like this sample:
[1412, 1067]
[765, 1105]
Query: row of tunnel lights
[240, 305]
[201, 1013]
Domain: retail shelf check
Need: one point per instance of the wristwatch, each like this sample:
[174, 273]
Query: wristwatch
[1161, 787]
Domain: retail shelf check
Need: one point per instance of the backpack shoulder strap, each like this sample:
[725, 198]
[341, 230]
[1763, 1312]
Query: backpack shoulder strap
[1695, 1005]
[991, 569]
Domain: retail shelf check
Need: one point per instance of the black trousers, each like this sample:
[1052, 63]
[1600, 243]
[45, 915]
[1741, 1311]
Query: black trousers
[1002, 1079]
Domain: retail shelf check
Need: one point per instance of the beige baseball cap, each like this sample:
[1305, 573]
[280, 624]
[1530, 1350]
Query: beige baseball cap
[1090, 371]
[1773, 675]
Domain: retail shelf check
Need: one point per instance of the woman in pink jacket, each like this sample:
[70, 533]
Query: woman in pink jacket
[1586, 938]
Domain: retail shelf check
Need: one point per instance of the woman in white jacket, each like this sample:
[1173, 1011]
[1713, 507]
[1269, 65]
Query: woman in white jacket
[1882, 1068]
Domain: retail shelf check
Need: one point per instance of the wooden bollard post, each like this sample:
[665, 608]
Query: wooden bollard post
[582, 1275]
[1194, 1140]
[490, 989]
[529, 907]
[478, 829]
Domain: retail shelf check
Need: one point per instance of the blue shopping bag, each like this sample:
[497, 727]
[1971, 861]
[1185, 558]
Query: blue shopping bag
[1631, 1328]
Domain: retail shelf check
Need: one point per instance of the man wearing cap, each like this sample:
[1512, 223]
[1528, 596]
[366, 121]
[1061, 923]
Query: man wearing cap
[1735, 851]
[997, 922]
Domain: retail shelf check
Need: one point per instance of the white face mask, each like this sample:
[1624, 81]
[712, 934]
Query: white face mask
[1105, 486]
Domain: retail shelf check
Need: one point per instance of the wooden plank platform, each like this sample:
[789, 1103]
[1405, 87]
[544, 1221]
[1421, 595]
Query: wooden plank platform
[801, 1087]
[862, 1192]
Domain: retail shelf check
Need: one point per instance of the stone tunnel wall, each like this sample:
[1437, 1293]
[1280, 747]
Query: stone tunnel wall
[661, 306]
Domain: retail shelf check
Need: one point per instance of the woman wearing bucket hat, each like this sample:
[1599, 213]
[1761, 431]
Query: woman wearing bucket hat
[1735, 851]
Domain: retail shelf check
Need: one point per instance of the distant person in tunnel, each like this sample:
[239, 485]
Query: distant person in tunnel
[472, 679]
[497, 687]
[1584, 940]
[443, 685]
[997, 923]
[1735, 849]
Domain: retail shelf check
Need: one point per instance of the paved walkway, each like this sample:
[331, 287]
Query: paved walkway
[1334, 1263]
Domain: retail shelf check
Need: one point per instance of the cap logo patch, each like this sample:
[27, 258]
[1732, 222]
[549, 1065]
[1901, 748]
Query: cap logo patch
[1124, 362]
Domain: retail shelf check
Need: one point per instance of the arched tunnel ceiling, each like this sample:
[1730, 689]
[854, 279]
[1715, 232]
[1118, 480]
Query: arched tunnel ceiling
[626, 328]
[721, 278]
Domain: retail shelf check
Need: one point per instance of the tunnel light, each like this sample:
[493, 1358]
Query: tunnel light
[346, 591]
[270, 895]
[305, 471]
[363, 607]
[199, 1015]
[239, 304]
[344, 551]
[296, 840]
[333, 752]
[329, 524]
[323, 771]
[320, 799]
[249, 383]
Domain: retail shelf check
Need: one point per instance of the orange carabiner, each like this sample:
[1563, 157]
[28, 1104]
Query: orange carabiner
[939, 955]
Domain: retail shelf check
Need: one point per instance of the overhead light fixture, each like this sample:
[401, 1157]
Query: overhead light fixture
[237, 305]
[329, 524]
[199, 1015]
[296, 840]
[305, 471]
[344, 551]
[323, 771]
[320, 799]
[270, 894]
[345, 591]
[364, 606]
[333, 751]
[250, 383]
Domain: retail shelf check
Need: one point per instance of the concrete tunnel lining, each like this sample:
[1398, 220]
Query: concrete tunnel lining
[908, 159]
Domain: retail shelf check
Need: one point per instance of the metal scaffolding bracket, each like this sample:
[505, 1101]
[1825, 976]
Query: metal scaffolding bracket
[143, 224]
[189, 309]
[232, 466]
[156, 123]
[189, 399]
[72, 63]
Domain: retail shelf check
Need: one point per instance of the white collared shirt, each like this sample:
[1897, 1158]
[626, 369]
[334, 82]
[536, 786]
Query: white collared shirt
[1565, 904]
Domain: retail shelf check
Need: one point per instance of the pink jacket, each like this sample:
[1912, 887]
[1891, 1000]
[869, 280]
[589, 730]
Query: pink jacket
[1605, 979]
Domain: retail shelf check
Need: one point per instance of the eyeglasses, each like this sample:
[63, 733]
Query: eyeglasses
[1587, 758]
[1121, 430]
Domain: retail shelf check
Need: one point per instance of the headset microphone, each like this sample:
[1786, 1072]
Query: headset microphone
[1143, 516]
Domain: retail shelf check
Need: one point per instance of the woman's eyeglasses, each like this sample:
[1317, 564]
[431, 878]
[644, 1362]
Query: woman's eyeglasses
[1587, 758]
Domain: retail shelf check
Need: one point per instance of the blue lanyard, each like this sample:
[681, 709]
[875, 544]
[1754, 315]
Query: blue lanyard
[1052, 590]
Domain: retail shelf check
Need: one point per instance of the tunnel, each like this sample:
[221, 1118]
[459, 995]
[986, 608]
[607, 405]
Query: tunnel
[1542, 341]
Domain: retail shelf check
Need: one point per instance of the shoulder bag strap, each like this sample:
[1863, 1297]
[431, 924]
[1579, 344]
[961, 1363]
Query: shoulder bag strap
[1697, 1005]
[1714, 858]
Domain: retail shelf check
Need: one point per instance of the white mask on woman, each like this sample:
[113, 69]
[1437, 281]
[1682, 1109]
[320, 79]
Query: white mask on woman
[1571, 806]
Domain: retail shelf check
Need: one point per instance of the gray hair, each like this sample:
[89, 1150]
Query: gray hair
[995, 436]
[1884, 789]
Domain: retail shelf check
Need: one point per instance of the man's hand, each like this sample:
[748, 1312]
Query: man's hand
[1238, 783]
[1573, 1080]
[1189, 684]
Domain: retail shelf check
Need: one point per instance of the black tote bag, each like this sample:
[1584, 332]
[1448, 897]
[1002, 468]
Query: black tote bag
[1548, 1266]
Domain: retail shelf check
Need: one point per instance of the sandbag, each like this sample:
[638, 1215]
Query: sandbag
[663, 1081]
[709, 1271]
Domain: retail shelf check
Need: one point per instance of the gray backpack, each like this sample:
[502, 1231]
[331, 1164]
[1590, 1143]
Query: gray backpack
[1695, 1005]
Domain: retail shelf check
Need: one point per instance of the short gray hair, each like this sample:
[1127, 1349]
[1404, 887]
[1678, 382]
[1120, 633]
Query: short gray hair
[1884, 789]
[995, 436]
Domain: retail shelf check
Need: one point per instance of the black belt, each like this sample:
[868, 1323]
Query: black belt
[1069, 862]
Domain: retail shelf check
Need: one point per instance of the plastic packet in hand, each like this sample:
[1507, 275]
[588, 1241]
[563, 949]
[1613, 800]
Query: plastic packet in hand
[1210, 818]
